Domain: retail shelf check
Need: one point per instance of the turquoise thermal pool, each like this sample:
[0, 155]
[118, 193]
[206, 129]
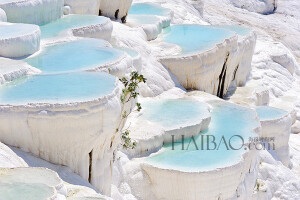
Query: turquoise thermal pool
[240, 30]
[76, 55]
[21, 191]
[148, 9]
[8, 30]
[58, 27]
[145, 19]
[227, 120]
[169, 113]
[195, 38]
[270, 113]
[57, 88]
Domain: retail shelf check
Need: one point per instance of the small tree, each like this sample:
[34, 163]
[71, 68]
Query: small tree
[129, 92]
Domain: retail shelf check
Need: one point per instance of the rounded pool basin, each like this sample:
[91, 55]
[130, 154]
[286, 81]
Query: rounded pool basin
[270, 113]
[58, 27]
[195, 38]
[148, 9]
[57, 88]
[227, 120]
[77, 55]
[174, 113]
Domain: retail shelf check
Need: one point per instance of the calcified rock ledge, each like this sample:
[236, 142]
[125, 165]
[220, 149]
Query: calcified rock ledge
[87, 7]
[100, 31]
[279, 128]
[150, 136]
[259, 6]
[32, 11]
[70, 134]
[3, 17]
[222, 183]
[212, 71]
[38, 183]
[16, 69]
[20, 43]
[232, 181]
[114, 9]
[152, 28]
[119, 67]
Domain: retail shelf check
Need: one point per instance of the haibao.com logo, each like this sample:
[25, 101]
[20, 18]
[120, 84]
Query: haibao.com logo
[213, 143]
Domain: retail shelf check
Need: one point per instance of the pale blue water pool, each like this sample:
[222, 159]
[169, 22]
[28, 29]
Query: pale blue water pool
[22, 191]
[57, 88]
[226, 120]
[145, 19]
[15, 30]
[269, 113]
[240, 30]
[148, 9]
[170, 113]
[54, 29]
[76, 55]
[195, 38]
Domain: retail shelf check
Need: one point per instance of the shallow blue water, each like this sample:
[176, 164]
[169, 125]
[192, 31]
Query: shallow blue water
[14, 30]
[195, 38]
[66, 87]
[146, 19]
[170, 113]
[269, 113]
[148, 9]
[240, 30]
[75, 55]
[226, 120]
[54, 29]
[21, 191]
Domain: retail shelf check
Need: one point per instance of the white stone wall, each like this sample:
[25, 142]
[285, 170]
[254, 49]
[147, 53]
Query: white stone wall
[259, 6]
[33, 11]
[26, 43]
[84, 7]
[66, 134]
[3, 17]
[280, 129]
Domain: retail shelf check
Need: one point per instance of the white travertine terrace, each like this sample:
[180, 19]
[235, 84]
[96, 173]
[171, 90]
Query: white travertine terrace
[9, 159]
[18, 40]
[16, 69]
[32, 11]
[117, 9]
[32, 191]
[165, 14]
[228, 182]
[3, 17]
[100, 31]
[259, 6]
[78, 25]
[253, 94]
[33, 175]
[279, 128]
[221, 183]
[86, 7]
[119, 67]
[246, 46]
[150, 136]
[152, 25]
[213, 70]
[86, 131]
